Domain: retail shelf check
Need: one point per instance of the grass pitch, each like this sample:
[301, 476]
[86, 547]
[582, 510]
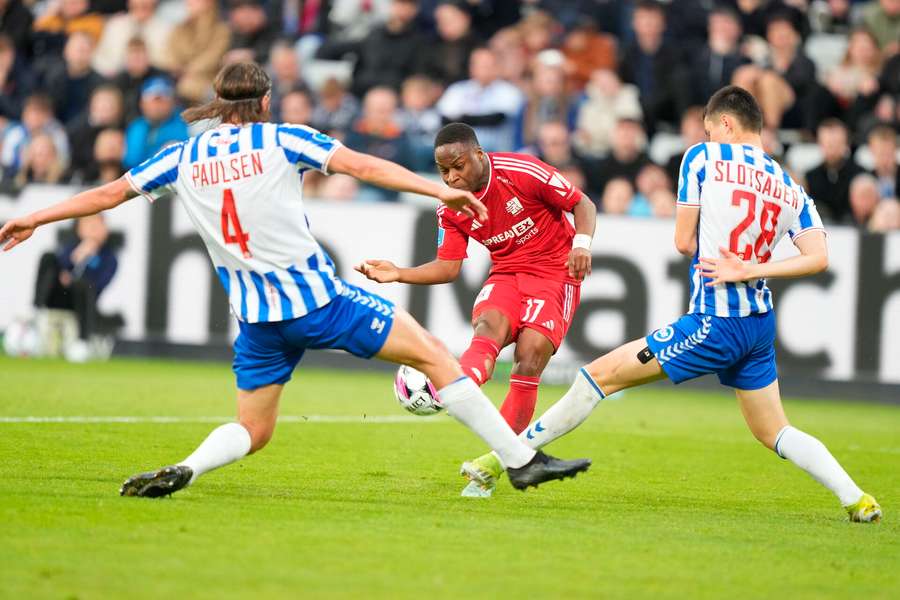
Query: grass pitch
[681, 501]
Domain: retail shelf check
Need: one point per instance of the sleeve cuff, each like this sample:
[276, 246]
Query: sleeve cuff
[137, 188]
[807, 230]
[327, 160]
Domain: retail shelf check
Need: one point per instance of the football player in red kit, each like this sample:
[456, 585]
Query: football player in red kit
[538, 262]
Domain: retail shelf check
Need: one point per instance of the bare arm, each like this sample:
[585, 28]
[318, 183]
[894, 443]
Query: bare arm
[434, 272]
[686, 220]
[88, 202]
[585, 222]
[392, 176]
[813, 258]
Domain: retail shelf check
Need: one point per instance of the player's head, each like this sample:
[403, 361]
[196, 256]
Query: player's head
[459, 157]
[243, 95]
[732, 114]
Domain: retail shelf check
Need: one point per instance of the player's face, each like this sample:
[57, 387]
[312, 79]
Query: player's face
[461, 166]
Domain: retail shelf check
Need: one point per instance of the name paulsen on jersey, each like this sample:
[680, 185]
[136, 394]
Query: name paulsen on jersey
[525, 226]
[230, 169]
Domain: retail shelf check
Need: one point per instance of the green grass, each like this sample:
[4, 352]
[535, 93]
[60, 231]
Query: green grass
[681, 502]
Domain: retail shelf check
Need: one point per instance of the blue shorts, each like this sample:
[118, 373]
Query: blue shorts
[357, 321]
[740, 350]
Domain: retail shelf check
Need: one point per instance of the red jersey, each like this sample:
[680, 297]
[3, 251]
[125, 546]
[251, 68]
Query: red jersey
[527, 230]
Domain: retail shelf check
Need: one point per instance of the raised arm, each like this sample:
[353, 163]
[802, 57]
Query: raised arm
[88, 202]
[434, 272]
[392, 176]
[813, 258]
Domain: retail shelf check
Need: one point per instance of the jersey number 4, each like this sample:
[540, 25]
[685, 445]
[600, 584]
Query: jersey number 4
[230, 221]
[768, 223]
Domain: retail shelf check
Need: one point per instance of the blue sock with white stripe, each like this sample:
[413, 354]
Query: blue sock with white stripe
[568, 413]
[812, 456]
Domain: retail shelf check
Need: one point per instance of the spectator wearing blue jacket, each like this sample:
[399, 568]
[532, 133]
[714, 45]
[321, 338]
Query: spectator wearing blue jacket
[158, 126]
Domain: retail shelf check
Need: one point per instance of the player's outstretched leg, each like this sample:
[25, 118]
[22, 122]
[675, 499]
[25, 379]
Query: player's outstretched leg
[626, 366]
[764, 414]
[257, 414]
[533, 352]
[408, 343]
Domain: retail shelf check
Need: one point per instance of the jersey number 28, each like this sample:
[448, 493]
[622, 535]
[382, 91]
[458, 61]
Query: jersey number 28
[230, 221]
[768, 223]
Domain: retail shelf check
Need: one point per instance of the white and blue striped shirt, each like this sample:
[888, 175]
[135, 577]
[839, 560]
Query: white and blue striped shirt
[747, 203]
[242, 188]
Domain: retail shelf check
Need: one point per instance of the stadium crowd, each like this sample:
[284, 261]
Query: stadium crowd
[608, 91]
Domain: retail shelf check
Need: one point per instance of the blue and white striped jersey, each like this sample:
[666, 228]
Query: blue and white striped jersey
[747, 203]
[242, 188]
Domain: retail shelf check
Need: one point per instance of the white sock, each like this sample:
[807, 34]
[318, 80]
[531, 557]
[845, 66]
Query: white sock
[466, 403]
[224, 445]
[569, 412]
[812, 456]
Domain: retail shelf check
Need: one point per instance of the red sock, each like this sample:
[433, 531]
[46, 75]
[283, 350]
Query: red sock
[518, 408]
[478, 361]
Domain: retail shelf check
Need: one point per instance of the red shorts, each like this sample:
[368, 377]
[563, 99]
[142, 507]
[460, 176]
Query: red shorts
[530, 302]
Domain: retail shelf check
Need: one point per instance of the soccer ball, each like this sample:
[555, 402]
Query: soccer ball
[21, 339]
[415, 392]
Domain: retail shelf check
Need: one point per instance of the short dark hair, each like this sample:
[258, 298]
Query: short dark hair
[654, 5]
[456, 133]
[738, 102]
[833, 123]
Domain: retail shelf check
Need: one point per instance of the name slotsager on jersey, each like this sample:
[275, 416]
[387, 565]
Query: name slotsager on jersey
[758, 180]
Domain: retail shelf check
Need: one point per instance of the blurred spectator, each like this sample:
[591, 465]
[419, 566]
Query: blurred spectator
[539, 30]
[654, 192]
[141, 21]
[830, 16]
[336, 109]
[41, 162]
[195, 49]
[787, 79]
[485, 102]
[511, 55]
[617, 196]
[158, 125]
[858, 74]
[71, 82]
[105, 110]
[136, 73]
[109, 152]
[252, 35]
[626, 158]
[756, 14]
[15, 22]
[882, 18]
[62, 19]
[355, 19]
[829, 183]
[606, 101]
[692, 131]
[284, 69]
[864, 197]
[713, 66]
[37, 118]
[883, 144]
[74, 276]
[547, 98]
[387, 55]
[446, 58]
[16, 80]
[420, 119]
[586, 51]
[885, 217]
[554, 147]
[652, 65]
[295, 107]
[378, 132]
